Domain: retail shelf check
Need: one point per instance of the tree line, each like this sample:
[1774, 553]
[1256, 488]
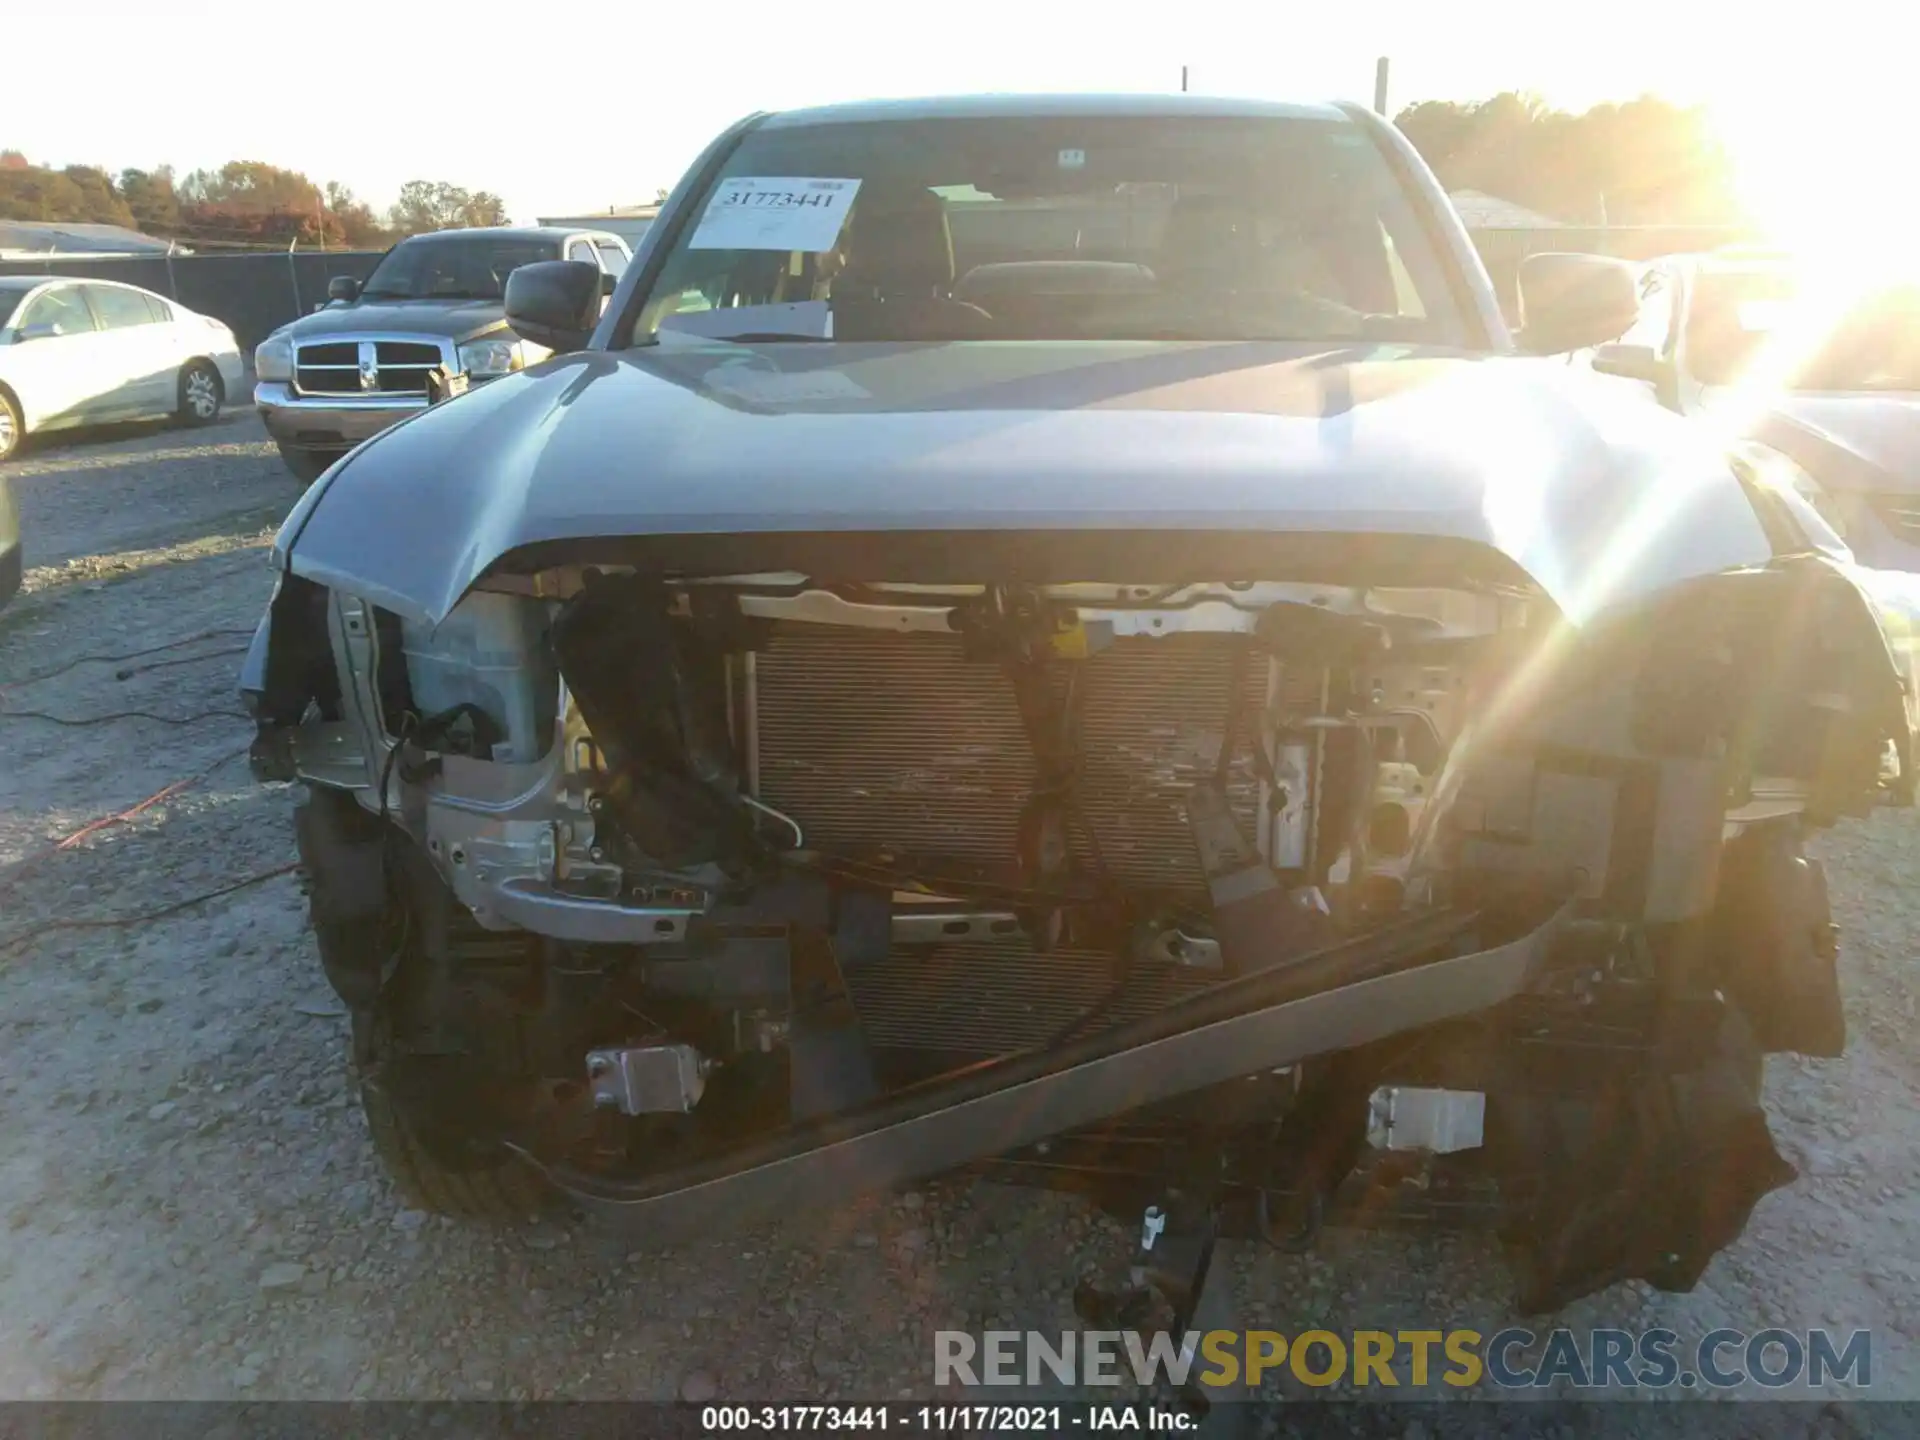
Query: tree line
[243, 202]
[1645, 162]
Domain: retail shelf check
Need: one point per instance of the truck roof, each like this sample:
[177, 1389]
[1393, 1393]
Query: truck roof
[514, 232]
[954, 107]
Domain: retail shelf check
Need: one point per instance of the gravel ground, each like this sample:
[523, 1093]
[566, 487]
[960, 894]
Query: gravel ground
[192, 1210]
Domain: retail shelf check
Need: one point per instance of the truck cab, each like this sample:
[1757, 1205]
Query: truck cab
[428, 322]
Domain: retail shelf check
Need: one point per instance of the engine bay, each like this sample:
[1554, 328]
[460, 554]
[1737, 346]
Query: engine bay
[1003, 744]
[723, 891]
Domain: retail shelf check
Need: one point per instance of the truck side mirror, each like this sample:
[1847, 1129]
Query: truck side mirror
[555, 303]
[343, 287]
[1568, 302]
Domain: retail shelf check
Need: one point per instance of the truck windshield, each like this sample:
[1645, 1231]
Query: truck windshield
[1051, 227]
[453, 267]
[1729, 318]
[1875, 347]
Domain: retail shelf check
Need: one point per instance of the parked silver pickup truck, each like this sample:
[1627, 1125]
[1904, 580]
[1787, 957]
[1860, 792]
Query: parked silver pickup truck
[431, 312]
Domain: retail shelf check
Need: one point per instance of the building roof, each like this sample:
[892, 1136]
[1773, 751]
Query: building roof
[612, 212]
[1481, 211]
[71, 237]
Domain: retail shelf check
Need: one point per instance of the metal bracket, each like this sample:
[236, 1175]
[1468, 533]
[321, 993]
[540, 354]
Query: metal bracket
[1170, 945]
[1175, 1262]
[648, 1079]
[1404, 1117]
[830, 1067]
[1259, 924]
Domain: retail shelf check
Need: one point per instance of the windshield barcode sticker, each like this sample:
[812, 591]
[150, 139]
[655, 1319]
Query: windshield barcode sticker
[757, 212]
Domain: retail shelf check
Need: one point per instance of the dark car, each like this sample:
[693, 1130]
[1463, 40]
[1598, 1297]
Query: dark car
[1064, 636]
[431, 307]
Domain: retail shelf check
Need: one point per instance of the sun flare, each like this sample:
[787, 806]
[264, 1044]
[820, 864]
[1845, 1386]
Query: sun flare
[1818, 185]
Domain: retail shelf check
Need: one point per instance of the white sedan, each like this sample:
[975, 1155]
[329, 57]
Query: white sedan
[87, 352]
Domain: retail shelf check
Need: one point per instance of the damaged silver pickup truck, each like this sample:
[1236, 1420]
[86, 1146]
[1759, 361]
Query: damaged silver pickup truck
[1064, 637]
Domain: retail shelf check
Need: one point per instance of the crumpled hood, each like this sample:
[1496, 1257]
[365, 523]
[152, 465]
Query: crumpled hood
[448, 319]
[1597, 495]
[1864, 443]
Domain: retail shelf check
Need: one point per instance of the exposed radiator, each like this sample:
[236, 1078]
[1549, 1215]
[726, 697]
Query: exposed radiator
[873, 739]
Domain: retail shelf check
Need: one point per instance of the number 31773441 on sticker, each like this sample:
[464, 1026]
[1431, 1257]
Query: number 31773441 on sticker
[752, 212]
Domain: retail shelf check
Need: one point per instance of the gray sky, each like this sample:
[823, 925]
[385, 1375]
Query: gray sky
[615, 99]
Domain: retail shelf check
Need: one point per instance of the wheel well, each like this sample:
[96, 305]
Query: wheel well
[14, 399]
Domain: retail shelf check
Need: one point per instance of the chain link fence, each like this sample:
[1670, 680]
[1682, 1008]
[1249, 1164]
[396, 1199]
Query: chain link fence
[254, 294]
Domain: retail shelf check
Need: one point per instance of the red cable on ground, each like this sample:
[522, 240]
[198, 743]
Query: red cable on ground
[104, 821]
[93, 827]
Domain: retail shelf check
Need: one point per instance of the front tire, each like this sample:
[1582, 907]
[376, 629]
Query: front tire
[510, 1193]
[365, 909]
[201, 394]
[307, 466]
[12, 428]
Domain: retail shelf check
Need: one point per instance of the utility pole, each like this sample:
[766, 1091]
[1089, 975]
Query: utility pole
[1183, 79]
[1380, 86]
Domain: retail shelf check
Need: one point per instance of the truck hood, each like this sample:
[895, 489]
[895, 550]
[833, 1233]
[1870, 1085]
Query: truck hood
[1537, 470]
[445, 319]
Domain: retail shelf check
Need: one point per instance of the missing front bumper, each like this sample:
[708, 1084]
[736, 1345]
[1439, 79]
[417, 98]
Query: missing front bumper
[1402, 978]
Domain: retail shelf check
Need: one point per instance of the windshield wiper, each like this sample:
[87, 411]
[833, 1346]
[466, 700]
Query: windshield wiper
[438, 295]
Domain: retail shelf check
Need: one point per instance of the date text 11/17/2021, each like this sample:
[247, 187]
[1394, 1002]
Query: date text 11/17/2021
[957, 1419]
